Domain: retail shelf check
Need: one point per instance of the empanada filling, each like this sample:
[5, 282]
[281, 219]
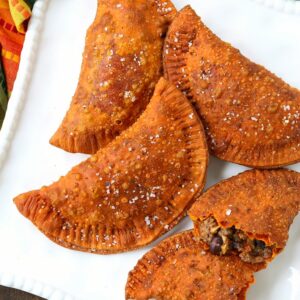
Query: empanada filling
[224, 241]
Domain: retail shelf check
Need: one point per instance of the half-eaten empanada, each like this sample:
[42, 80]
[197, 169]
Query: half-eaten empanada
[251, 116]
[122, 62]
[132, 191]
[249, 214]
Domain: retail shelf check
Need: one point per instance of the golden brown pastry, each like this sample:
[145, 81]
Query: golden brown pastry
[132, 191]
[251, 116]
[122, 62]
[248, 214]
[180, 268]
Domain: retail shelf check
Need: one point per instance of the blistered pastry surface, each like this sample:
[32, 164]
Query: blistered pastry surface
[121, 65]
[251, 116]
[133, 190]
[180, 268]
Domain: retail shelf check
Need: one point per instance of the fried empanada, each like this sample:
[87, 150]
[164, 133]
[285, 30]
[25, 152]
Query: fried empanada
[251, 116]
[122, 62]
[248, 214]
[133, 190]
[180, 268]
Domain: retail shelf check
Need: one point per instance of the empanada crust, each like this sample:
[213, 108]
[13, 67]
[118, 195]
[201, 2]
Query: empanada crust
[251, 116]
[261, 203]
[122, 62]
[132, 191]
[179, 268]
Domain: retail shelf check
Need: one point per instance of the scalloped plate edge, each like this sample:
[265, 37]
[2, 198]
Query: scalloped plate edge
[17, 99]
[33, 286]
[14, 110]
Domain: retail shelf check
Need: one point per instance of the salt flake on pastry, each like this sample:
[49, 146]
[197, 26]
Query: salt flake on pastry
[251, 116]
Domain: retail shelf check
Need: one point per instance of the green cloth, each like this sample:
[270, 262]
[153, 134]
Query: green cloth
[30, 2]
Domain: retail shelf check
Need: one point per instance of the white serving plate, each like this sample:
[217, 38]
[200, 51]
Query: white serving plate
[46, 81]
[287, 6]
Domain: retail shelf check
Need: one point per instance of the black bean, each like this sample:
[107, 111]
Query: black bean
[235, 245]
[259, 244]
[215, 245]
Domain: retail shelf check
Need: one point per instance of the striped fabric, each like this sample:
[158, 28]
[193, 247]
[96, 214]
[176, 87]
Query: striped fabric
[3, 95]
[14, 16]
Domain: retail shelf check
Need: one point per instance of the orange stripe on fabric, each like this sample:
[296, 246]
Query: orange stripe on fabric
[4, 4]
[11, 41]
[11, 56]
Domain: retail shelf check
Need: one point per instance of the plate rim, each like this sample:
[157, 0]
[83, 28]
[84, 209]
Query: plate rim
[22, 82]
[7, 132]
[33, 286]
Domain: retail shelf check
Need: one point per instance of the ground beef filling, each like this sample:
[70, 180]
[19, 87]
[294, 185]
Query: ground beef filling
[223, 241]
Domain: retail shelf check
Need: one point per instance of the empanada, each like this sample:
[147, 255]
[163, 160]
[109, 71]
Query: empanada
[251, 116]
[180, 268]
[132, 191]
[122, 62]
[248, 214]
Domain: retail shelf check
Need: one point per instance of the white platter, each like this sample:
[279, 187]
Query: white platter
[46, 81]
[286, 6]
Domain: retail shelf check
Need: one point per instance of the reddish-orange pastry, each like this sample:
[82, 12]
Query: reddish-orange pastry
[251, 116]
[249, 214]
[122, 62]
[180, 268]
[132, 191]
